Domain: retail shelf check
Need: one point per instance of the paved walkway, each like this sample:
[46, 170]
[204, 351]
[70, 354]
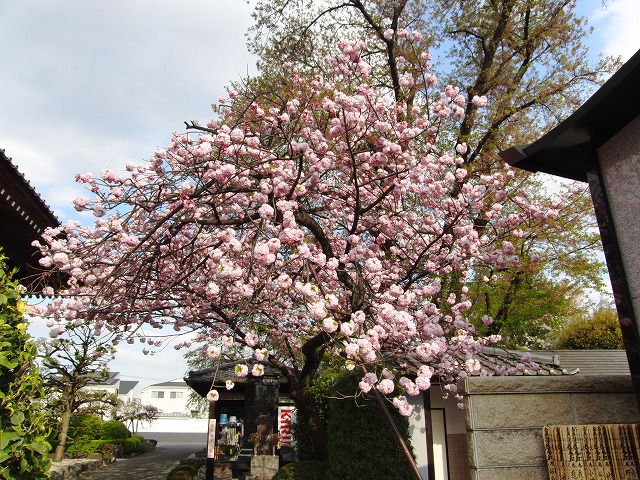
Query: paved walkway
[154, 465]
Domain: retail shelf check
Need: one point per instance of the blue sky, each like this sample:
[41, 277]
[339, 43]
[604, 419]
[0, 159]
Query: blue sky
[86, 85]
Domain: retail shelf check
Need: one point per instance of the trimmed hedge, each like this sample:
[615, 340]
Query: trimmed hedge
[85, 427]
[86, 448]
[132, 445]
[304, 470]
[361, 443]
[113, 429]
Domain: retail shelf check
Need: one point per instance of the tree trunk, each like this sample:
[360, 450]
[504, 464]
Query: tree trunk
[62, 436]
[303, 401]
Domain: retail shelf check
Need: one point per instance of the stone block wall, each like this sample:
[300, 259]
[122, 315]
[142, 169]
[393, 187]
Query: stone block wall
[505, 416]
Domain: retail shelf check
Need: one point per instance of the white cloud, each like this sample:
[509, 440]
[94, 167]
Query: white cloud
[91, 85]
[617, 26]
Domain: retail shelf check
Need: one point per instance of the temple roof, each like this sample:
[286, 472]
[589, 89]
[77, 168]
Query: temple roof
[565, 149]
[602, 363]
[202, 380]
[23, 216]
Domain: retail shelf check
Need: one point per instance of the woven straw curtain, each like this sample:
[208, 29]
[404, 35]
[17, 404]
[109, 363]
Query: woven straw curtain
[588, 452]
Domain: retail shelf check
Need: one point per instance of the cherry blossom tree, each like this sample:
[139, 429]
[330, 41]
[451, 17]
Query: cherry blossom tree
[316, 216]
[133, 413]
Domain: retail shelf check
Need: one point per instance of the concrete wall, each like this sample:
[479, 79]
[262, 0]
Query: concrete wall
[505, 416]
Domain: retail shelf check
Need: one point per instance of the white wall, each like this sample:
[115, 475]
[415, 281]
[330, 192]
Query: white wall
[167, 404]
[175, 424]
[418, 435]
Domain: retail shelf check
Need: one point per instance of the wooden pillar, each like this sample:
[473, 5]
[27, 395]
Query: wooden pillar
[211, 442]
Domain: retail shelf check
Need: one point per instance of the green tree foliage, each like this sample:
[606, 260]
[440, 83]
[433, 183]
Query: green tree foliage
[23, 433]
[320, 392]
[531, 62]
[71, 362]
[529, 303]
[360, 441]
[601, 330]
[85, 426]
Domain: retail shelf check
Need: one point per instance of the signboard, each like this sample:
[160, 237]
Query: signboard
[286, 417]
[211, 439]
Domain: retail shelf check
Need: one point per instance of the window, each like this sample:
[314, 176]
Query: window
[157, 394]
[175, 395]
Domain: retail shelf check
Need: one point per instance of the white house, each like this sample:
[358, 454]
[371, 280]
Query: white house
[123, 389]
[171, 399]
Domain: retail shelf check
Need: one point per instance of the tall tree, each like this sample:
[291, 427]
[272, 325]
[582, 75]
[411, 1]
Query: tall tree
[529, 303]
[530, 61]
[73, 360]
[316, 216]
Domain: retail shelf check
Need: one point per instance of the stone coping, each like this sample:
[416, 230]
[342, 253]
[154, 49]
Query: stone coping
[542, 385]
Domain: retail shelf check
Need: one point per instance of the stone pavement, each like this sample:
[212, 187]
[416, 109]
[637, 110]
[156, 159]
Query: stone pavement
[154, 465]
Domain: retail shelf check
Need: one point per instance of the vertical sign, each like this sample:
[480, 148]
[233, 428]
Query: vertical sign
[211, 439]
[286, 417]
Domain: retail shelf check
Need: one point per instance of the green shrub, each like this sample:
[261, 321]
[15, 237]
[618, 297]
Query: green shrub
[81, 449]
[23, 427]
[85, 427]
[115, 430]
[139, 437]
[132, 445]
[304, 470]
[304, 446]
[362, 445]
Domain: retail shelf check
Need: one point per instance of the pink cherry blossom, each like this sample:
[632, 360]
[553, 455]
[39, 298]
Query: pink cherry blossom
[213, 396]
[251, 339]
[479, 102]
[212, 351]
[385, 386]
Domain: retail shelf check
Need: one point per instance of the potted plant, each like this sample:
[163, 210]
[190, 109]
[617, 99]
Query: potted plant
[274, 442]
[256, 440]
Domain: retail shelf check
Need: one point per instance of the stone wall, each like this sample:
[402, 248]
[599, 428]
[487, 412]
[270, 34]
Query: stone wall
[505, 416]
[619, 162]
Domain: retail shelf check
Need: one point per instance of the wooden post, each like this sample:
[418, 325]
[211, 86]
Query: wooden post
[211, 442]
